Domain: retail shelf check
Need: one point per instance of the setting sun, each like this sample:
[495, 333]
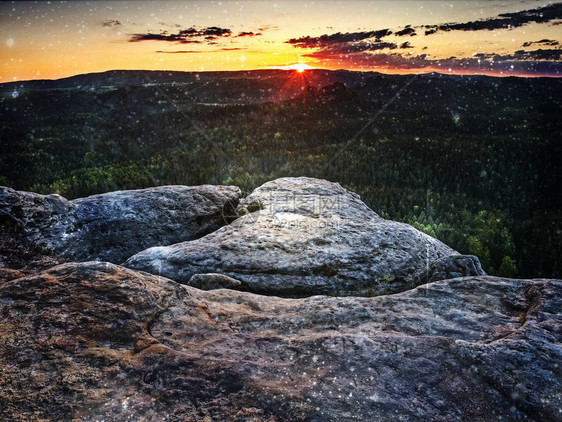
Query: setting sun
[299, 67]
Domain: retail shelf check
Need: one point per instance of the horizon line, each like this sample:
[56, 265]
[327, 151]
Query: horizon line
[381, 72]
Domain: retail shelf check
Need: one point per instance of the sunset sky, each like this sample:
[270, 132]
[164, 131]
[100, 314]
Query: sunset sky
[52, 39]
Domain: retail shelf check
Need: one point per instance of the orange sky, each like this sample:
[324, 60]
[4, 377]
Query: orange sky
[53, 39]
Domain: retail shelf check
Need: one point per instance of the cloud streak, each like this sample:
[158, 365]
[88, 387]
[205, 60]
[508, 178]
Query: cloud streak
[249, 34]
[535, 55]
[503, 21]
[199, 51]
[541, 42]
[408, 30]
[337, 38]
[344, 48]
[184, 36]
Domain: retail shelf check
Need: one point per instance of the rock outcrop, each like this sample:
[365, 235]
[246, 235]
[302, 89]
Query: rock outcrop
[7, 274]
[449, 267]
[95, 341]
[300, 237]
[17, 254]
[214, 281]
[114, 226]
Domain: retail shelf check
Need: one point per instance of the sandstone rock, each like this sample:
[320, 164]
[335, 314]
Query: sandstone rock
[43, 219]
[116, 225]
[94, 341]
[302, 236]
[214, 281]
[449, 267]
[7, 274]
[17, 254]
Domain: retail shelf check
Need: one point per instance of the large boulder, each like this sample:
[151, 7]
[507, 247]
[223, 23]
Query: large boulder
[448, 267]
[94, 341]
[113, 226]
[299, 237]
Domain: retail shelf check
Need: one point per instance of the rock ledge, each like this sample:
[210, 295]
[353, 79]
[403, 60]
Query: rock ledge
[95, 341]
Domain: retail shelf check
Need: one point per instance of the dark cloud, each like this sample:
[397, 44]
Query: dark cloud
[493, 64]
[304, 42]
[162, 37]
[370, 60]
[381, 46]
[408, 30]
[539, 15]
[522, 55]
[337, 38]
[111, 23]
[366, 46]
[350, 48]
[249, 34]
[216, 31]
[541, 42]
[504, 20]
[185, 36]
[540, 54]
[406, 45]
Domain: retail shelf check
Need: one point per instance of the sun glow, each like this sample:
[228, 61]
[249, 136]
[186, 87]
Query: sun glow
[299, 67]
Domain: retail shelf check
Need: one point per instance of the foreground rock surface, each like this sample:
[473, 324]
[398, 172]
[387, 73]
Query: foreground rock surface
[113, 226]
[301, 237]
[95, 341]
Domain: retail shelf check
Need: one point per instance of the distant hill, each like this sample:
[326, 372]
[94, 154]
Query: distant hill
[243, 87]
[119, 78]
[228, 87]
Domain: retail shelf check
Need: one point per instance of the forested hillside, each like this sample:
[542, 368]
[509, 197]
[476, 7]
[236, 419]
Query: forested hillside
[473, 161]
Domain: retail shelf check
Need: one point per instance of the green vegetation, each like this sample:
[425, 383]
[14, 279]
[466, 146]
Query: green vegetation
[473, 162]
[379, 288]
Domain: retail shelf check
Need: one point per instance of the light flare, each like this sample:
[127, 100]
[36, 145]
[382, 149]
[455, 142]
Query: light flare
[299, 67]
